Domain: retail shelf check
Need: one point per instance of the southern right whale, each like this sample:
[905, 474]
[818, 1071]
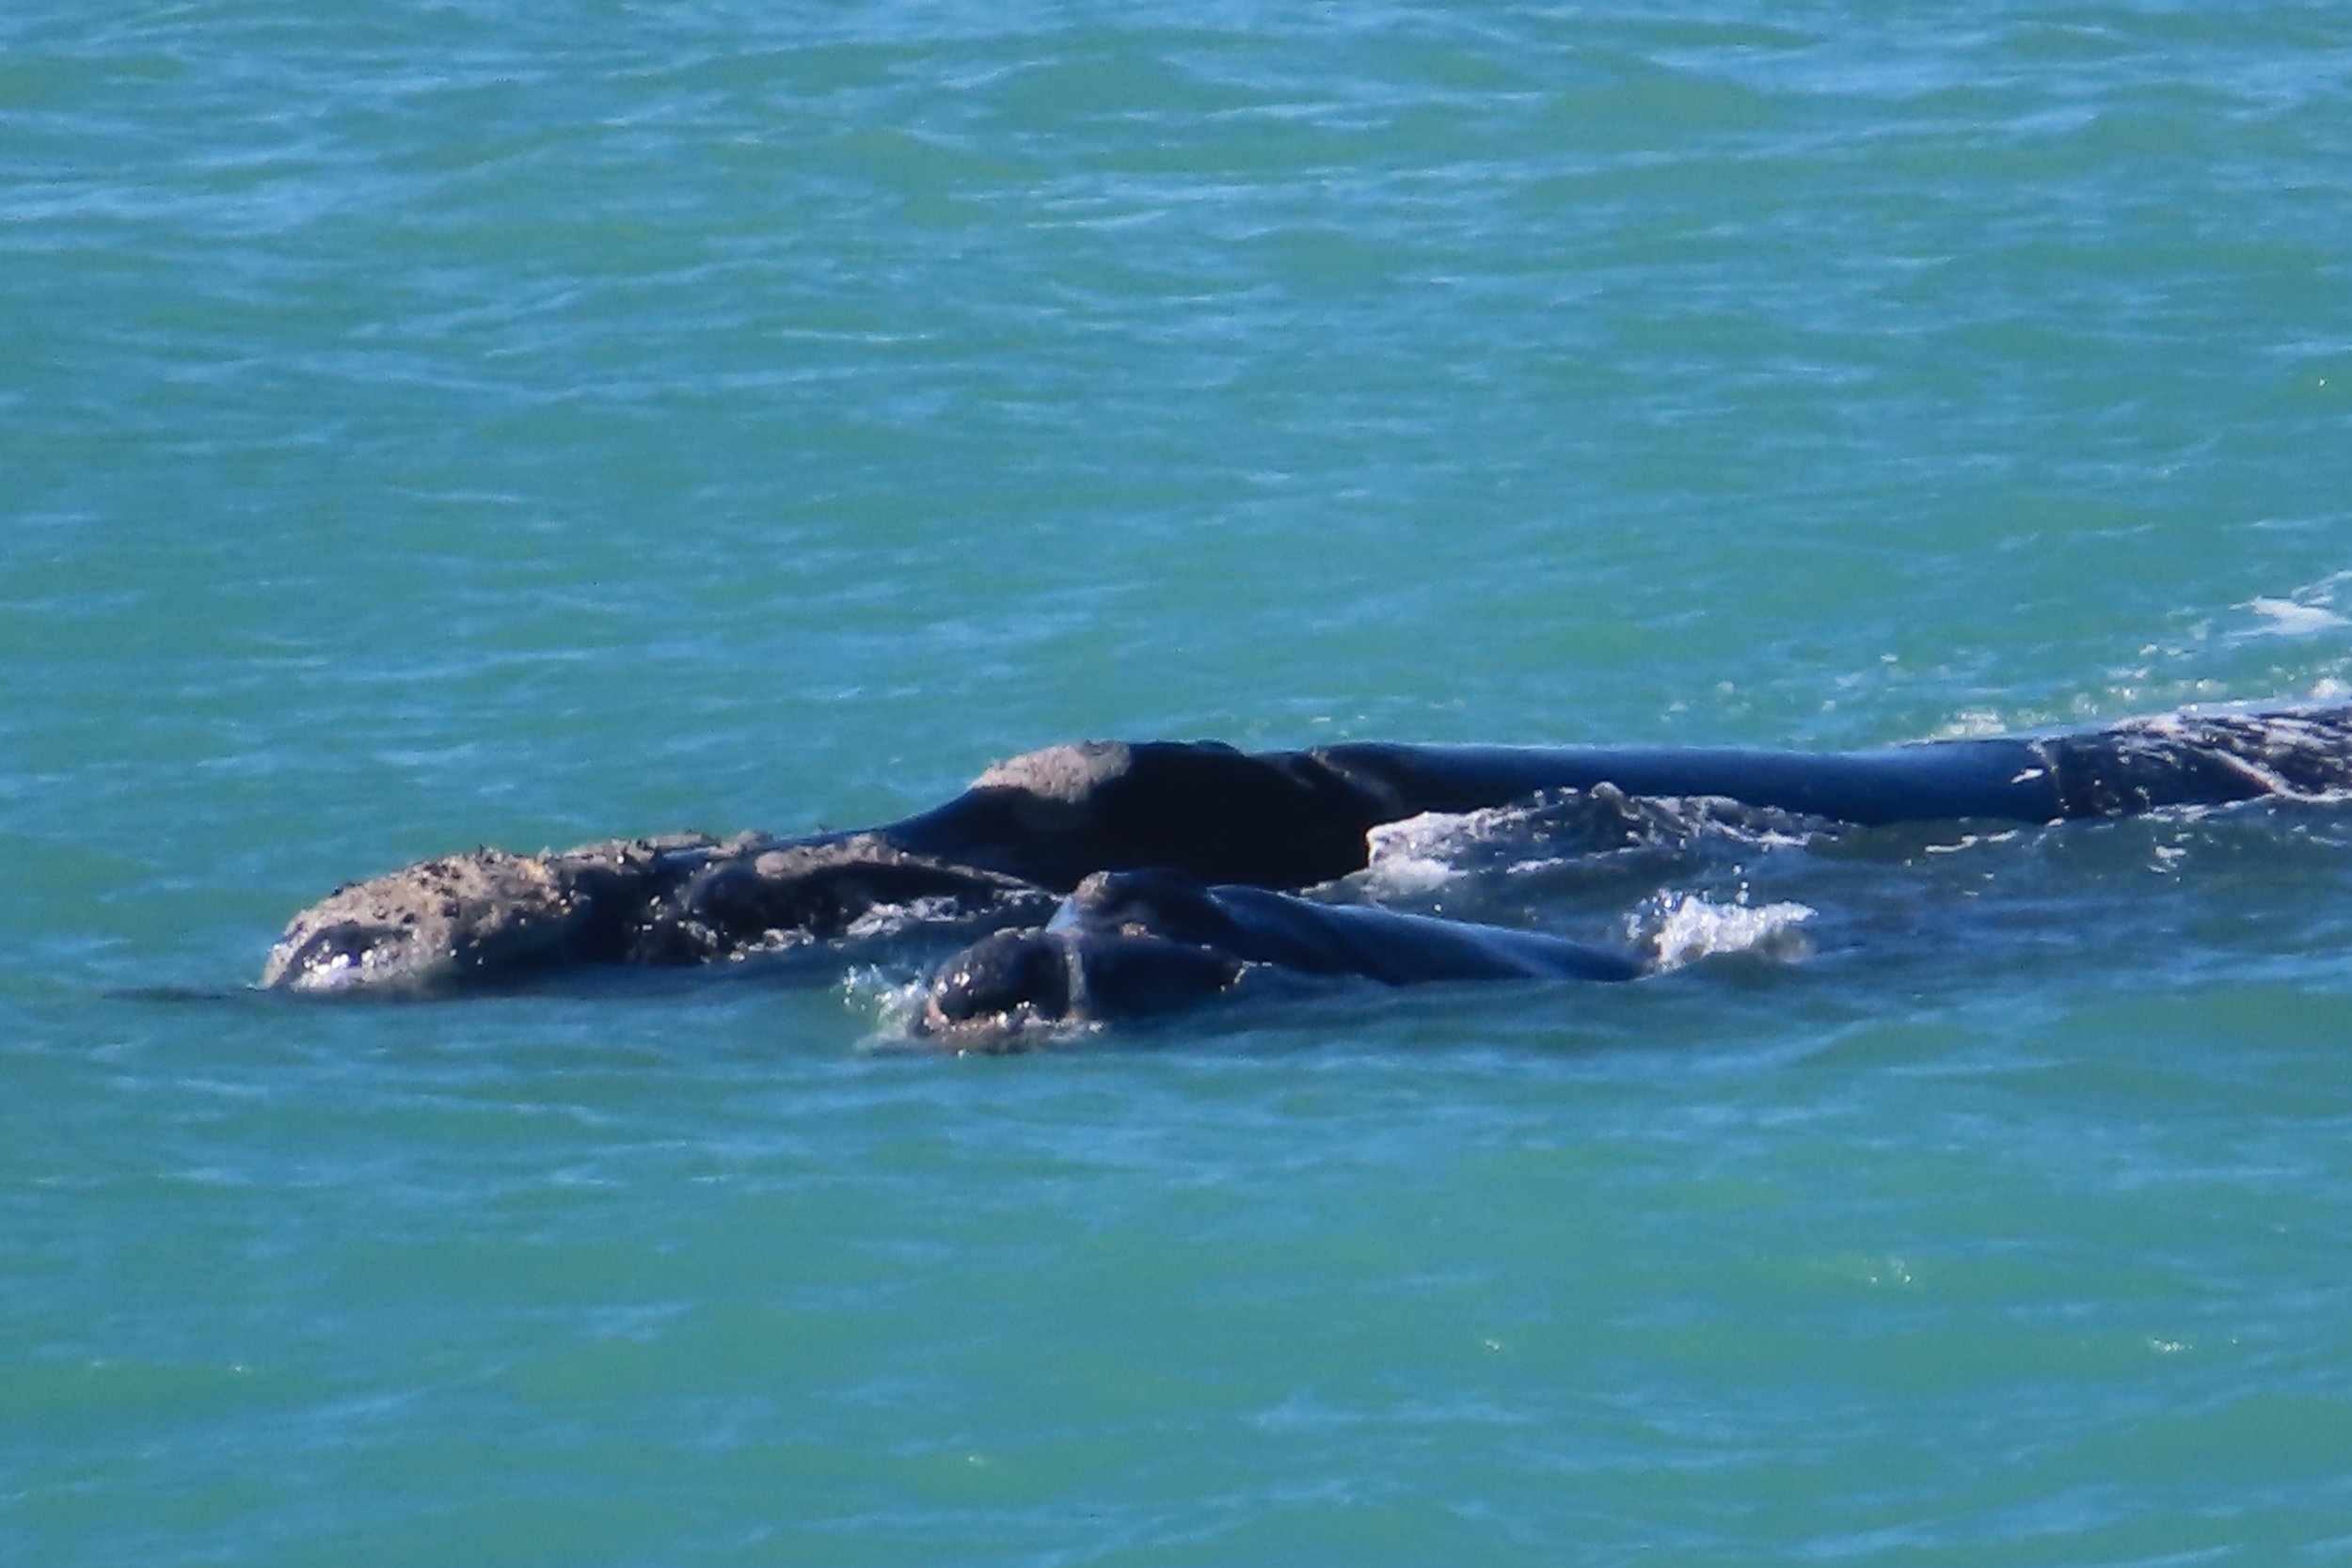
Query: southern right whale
[1129, 944]
[1032, 829]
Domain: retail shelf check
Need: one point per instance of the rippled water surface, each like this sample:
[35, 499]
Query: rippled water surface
[430, 425]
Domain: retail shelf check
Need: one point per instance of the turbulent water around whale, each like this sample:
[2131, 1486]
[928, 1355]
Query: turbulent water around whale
[430, 427]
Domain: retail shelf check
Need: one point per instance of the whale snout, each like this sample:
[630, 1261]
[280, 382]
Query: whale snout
[435, 925]
[1015, 981]
[1000, 985]
[339, 955]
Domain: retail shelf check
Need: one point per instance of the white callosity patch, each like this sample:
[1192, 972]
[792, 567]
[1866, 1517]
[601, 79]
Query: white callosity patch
[889, 920]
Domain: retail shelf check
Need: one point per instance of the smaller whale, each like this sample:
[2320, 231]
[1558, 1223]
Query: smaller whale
[1130, 944]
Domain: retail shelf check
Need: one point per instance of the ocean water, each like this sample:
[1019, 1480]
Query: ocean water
[427, 425]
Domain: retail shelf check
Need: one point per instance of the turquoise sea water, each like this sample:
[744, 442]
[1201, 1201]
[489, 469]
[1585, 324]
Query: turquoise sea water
[434, 424]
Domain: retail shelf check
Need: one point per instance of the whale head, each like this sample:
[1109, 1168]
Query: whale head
[1000, 992]
[426, 927]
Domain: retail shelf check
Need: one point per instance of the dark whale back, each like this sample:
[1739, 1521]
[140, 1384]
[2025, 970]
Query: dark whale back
[1272, 819]
[1389, 945]
[1929, 781]
[1290, 820]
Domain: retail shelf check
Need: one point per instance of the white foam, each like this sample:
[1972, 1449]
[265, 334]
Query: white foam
[1685, 927]
[1972, 724]
[1418, 855]
[2291, 618]
[1413, 856]
[893, 1002]
[897, 1004]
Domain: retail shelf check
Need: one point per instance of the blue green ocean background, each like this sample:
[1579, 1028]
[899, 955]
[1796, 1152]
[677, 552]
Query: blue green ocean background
[431, 424]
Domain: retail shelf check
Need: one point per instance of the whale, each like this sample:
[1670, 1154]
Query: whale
[1127, 945]
[1003, 852]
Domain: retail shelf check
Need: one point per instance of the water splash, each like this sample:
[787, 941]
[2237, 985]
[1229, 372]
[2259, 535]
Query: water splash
[892, 1001]
[1682, 927]
[2290, 618]
[1420, 854]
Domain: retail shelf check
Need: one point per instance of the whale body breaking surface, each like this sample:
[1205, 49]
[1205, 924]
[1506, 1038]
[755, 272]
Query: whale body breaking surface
[1105, 879]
